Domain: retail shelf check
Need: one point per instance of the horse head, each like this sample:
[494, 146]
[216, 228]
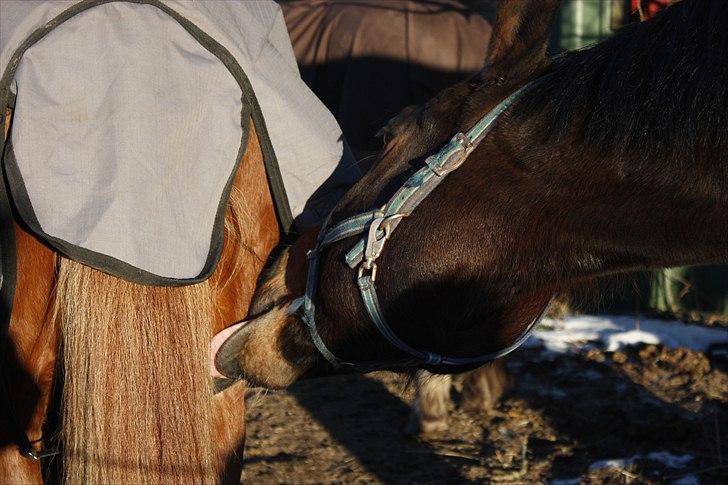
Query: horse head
[563, 187]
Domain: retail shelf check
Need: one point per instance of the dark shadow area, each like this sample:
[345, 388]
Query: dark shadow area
[693, 293]
[717, 355]
[363, 416]
[19, 398]
[563, 415]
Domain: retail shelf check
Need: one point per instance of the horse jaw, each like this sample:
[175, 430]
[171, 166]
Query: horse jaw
[266, 352]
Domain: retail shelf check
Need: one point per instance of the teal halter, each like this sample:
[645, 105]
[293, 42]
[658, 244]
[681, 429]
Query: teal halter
[379, 225]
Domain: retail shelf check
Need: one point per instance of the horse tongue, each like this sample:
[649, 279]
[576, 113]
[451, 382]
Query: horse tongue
[215, 345]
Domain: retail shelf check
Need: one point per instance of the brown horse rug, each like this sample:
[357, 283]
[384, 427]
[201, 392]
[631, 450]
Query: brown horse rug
[369, 59]
[130, 119]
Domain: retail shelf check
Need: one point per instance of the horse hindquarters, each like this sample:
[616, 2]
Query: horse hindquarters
[138, 404]
[137, 399]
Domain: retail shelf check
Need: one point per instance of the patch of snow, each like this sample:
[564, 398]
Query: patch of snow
[618, 340]
[687, 480]
[664, 457]
[620, 463]
[615, 332]
[670, 460]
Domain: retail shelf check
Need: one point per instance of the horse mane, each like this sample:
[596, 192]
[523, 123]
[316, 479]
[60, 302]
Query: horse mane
[654, 90]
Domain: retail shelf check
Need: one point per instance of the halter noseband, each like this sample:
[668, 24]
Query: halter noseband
[379, 225]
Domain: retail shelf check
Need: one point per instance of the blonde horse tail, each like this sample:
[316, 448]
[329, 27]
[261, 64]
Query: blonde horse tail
[137, 399]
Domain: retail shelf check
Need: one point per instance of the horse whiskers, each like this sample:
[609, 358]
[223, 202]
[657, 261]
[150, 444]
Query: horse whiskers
[364, 159]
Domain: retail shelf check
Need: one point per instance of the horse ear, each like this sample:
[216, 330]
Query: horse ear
[522, 32]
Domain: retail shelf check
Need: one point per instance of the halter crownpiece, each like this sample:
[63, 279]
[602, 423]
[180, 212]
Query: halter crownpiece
[379, 225]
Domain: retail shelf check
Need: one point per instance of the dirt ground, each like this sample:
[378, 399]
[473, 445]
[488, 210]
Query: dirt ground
[562, 417]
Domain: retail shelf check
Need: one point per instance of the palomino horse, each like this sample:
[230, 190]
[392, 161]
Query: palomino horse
[614, 158]
[146, 160]
[134, 432]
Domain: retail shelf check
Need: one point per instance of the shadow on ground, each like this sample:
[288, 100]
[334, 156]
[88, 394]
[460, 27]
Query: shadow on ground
[564, 415]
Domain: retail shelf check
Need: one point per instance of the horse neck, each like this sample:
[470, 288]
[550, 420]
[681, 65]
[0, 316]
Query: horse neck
[581, 214]
[617, 158]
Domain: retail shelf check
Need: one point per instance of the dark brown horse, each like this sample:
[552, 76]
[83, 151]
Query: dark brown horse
[615, 159]
[369, 60]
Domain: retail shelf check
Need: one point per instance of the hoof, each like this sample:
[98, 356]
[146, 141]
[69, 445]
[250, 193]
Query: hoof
[416, 426]
[483, 388]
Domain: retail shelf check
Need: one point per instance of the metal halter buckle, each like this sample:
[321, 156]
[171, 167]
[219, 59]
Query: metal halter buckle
[454, 158]
[375, 242]
[464, 140]
[379, 232]
[365, 266]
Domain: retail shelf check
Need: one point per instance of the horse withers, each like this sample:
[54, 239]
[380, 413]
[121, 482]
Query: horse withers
[612, 159]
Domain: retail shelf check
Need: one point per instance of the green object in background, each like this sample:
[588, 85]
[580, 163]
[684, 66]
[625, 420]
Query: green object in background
[581, 23]
[702, 289]
[679, 291]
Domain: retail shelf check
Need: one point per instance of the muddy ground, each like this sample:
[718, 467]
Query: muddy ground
[562, 417]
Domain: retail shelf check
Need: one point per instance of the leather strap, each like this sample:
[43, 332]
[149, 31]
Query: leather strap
[437, 167]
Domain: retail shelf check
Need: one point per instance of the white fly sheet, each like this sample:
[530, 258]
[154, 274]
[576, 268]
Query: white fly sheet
[130, 118]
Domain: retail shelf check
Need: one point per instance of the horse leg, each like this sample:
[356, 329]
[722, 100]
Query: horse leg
[484, 387]
[431, 405]
[33, 349]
